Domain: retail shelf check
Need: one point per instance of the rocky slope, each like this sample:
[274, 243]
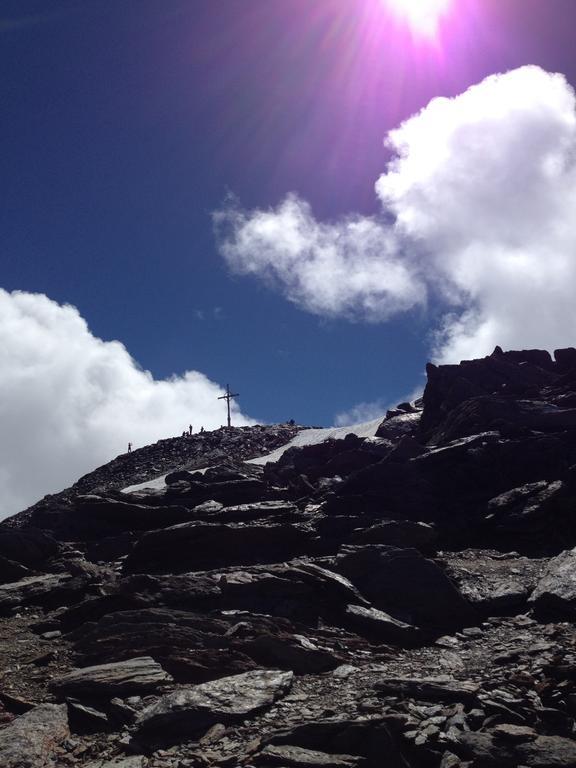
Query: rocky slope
[403, 601]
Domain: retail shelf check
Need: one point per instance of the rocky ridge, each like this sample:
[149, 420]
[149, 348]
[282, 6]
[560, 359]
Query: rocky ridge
[406, 600]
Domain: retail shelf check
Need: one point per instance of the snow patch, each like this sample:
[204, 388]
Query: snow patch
[315, 436]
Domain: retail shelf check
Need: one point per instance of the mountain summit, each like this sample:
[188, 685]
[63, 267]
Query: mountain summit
[399, 594]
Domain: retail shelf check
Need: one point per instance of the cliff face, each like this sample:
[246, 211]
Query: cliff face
[405, 600]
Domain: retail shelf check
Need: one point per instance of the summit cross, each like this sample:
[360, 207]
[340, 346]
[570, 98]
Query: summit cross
[228, 396]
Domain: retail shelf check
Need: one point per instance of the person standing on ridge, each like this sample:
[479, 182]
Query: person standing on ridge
[129, 447]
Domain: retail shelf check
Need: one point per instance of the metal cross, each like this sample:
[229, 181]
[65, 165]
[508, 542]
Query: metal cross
[228, 396]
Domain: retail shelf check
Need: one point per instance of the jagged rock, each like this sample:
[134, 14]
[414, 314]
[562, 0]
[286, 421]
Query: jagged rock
[401, 425]
[381, 627]
[430, 688]
[399, 533]
[313, 461]
[260, 510]
[292, 652]
[11, 571]
[84, 718]
[48, 589]
[190, 592]
[450, 385]
[30, 547]
[555, 593]
[343, 464]
[305, 565]
[495, 583]
[299, 589]
[530, 509]
[484, 414]
[187, 645]
[407, 585]
[221, 701]
[202, 546]
[30, 741]
[298, 757]
[488, 749]
[194, 492]
[93, 516]
[139, 675]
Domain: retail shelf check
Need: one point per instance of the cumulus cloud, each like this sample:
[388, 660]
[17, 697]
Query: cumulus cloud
[351, 268]
[361, 412]
[371, 410]
[481, 193]
[70, 401]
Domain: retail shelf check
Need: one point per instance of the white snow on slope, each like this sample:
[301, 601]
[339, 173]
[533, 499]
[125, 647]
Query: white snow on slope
[303, 438]
[315, 436]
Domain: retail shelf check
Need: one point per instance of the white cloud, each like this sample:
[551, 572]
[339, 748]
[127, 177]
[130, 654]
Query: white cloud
[368, 411]
[482, 194]
[361, 412]
[349, 268]
[70, 402]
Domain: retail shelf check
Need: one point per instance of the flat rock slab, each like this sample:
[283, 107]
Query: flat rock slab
[429, 688]
[407, 585]
[32, 589]
[298, 757]
[139, 675]
[30, 741]
[219, 701]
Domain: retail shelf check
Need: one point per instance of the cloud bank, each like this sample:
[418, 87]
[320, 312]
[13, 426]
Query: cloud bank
[70, 402]
[477, 211]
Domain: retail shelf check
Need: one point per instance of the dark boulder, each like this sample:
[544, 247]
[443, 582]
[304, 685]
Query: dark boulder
[405, 584]
[300, 590]
[555, 592]
[30, 547]
[10, 571]
[565, 359]
[399, 426]
[378, 626]
[532, 514]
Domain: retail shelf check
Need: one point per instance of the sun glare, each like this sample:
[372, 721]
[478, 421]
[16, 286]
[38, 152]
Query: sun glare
[423, 16]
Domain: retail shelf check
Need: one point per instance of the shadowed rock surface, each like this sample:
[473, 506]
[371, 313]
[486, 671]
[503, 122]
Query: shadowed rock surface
[405, 600]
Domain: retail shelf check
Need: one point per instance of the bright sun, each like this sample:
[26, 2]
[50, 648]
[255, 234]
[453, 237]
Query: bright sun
[423, 16]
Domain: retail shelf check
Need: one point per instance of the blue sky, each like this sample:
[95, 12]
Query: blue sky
[127, 123]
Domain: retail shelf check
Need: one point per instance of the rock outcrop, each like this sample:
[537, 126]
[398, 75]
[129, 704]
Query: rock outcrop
[407, 599]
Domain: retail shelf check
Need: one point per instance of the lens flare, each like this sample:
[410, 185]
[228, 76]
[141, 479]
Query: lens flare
[423, 16]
